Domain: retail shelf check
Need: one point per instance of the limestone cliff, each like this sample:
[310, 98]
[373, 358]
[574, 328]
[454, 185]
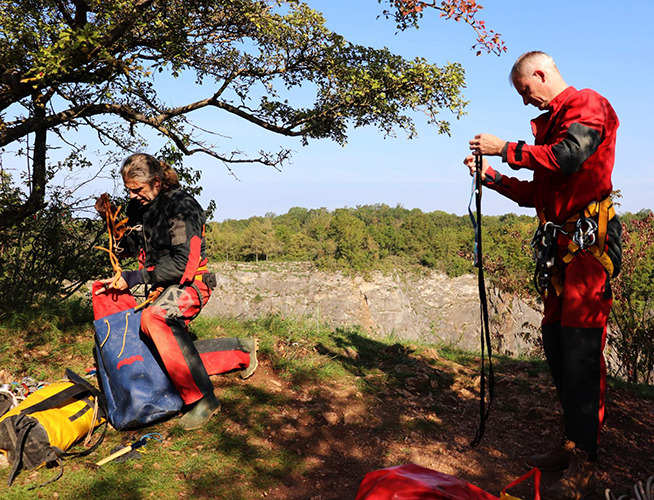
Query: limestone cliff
[430, 306]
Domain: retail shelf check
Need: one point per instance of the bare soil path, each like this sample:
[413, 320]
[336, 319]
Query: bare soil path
[428, 416]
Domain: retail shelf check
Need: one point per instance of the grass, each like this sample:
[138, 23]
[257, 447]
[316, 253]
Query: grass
[241, 454]
[232, 453]
[642, 391]
[41, 341]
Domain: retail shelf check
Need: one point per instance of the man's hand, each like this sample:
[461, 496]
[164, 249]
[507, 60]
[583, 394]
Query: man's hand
[109, 285]
[487, 144]
[471, 162]
[102, 203]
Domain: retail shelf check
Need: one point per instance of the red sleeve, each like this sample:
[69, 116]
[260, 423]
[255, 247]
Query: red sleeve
[521, 192]
[573, 135]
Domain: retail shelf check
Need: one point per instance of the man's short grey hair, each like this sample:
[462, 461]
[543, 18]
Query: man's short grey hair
[535, 57]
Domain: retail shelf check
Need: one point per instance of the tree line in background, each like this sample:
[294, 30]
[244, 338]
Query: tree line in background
[374, 237]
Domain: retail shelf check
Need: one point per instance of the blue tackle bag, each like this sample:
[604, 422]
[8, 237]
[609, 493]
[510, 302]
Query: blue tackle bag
[138, 390]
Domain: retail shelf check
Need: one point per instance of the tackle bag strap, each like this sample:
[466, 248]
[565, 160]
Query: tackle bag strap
[100, 397]
[102, 411]
[56, 399]
[484, 406]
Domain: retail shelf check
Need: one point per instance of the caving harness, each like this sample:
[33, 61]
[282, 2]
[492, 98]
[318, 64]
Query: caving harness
[484, 407]
[586, 231]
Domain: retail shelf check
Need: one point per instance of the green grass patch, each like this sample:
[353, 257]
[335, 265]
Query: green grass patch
[642, 391]
[249, 449]
[458, 356]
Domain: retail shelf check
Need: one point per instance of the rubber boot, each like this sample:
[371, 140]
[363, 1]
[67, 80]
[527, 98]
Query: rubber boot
[555, 460]
[201, 412]
[578, 482]
[250, 345]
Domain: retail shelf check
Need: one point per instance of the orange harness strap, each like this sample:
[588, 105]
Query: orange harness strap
[602, 212]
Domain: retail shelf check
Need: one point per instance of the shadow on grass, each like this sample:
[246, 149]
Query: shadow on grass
[306, 436]
[325, 408]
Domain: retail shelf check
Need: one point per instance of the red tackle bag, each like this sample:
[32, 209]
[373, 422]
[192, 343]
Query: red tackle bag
[412, 482]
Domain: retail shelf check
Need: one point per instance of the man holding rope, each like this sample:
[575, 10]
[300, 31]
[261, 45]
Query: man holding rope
[578, 247]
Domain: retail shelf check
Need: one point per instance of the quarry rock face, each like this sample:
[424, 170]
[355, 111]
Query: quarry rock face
[426, 306]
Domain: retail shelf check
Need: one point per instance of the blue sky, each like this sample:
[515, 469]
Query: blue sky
[599, 44]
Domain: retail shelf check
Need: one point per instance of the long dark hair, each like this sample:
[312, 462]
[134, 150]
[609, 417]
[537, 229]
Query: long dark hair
[146, 168]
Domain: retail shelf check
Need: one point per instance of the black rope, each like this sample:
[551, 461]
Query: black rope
[484, 407]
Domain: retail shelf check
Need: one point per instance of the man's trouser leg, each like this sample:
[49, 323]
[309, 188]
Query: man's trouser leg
[554, 354]
[585, 384]
[223, 355]
[165, 322]
[574, 349]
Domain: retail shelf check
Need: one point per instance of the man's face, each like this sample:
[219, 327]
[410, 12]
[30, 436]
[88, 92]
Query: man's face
[144, 192]
[532, 89]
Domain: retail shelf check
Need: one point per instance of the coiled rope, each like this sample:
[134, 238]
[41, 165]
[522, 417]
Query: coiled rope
[116, 230]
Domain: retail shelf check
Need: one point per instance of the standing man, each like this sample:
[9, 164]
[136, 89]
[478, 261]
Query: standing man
[578, 245]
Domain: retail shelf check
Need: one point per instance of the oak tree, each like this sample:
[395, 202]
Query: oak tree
[98, 64]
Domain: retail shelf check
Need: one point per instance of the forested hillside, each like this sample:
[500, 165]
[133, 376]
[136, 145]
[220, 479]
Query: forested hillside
[378, 237]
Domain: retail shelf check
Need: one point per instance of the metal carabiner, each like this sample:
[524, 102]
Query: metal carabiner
[544, 235]
[585, 234]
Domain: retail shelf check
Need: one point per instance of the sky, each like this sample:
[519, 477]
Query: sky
[600, 44]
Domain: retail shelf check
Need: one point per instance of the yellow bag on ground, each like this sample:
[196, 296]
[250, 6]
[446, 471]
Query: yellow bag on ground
[48, 422]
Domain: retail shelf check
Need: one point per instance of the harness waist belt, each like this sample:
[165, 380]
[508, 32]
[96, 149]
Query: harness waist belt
[593, 238]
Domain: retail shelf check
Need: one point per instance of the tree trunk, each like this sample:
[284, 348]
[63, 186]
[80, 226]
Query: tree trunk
[38, 181]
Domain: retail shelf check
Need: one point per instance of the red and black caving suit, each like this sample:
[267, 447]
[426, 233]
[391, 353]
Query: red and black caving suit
[169, 241]
[572, 161]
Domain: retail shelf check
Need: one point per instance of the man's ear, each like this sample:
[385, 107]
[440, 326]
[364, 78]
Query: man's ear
[540, 74]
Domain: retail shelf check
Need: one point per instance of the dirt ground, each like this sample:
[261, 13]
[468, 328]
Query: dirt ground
[429, 418]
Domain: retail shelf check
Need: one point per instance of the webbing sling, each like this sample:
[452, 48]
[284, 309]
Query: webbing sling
[484, 408]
